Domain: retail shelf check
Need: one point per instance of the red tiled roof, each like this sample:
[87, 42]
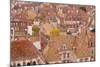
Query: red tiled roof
[23, 49]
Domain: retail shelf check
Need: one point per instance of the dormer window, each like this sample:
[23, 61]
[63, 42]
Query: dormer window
[92, 29]
[18, 64]
[34, 63]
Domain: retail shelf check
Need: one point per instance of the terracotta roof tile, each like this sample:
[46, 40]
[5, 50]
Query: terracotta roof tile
[23, 49]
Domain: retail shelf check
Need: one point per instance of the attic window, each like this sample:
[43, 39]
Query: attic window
[28, 64]
[34, 63]
[93, 30]
[18, 64]
[83, 8]
[69, 33]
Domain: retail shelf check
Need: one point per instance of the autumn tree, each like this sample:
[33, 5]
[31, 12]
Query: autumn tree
[35, 30]
[54, 32]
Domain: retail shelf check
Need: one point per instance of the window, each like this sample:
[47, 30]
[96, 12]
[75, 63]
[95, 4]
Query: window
[92, 52]
[11, 31]
[83, 8]
[68, 61]
[81, 60]
[86, 59]
[34, 63]
[18, 64]
[90, 44]
[93, 30]
[68, 55]
[28, 64]
[24, 64]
